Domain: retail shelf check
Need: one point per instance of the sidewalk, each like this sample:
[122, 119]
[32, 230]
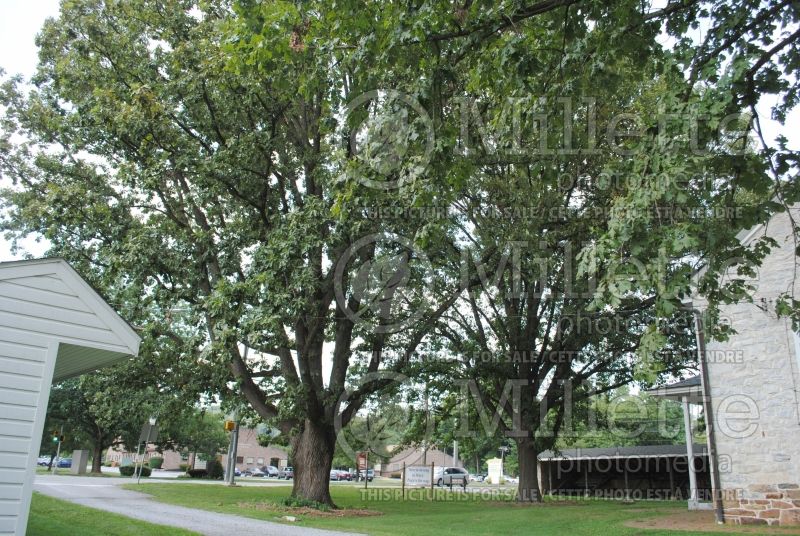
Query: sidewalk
[105, 494]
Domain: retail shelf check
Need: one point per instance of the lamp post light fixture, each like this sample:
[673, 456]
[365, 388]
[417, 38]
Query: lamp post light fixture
[503, 451]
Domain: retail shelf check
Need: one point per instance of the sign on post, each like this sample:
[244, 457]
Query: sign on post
[149, 433]
[418, 476]
[361, 461]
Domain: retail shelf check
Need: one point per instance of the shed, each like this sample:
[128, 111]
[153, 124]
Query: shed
[639, 472]
[53, 326]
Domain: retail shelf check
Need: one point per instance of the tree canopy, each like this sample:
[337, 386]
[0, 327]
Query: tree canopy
[295, 202]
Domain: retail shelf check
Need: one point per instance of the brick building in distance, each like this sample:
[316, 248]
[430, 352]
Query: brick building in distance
[248, 454]
[415, 456]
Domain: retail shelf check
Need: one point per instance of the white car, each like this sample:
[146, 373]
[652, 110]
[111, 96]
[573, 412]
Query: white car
[511, 479]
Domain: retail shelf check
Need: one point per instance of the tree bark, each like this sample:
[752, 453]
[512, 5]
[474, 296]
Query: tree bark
[528, 489]
[312, 457]
[97, 459]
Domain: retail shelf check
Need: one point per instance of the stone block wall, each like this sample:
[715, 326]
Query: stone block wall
[778, 504]
[755, 392]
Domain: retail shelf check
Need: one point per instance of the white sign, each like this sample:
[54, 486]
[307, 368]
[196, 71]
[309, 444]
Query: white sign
[495, 470]
[418, 475]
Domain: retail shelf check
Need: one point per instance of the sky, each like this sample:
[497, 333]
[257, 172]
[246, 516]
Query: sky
[20, 21]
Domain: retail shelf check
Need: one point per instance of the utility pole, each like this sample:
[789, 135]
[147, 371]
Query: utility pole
[230, 470]
[230, 473]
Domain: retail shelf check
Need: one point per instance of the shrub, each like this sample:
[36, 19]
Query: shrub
[128, 470]
[198, 473]
[156, 462]
[296, 502]
[215, 470]
[184, 467]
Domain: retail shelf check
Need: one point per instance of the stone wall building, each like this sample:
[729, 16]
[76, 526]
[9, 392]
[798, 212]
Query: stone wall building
[754, 379]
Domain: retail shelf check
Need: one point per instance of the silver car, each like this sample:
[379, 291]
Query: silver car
[448, 476]
[270, 471]
[286, 473]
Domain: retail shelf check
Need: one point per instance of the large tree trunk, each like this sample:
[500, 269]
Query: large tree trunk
[312, 456]
[97, 459]
[528, 490]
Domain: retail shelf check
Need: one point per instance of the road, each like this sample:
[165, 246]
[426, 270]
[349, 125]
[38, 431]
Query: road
[106, 494]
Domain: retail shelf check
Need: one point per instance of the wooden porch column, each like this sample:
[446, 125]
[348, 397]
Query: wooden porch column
[687, 424]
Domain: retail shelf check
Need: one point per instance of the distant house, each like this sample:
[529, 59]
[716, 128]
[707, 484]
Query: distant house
[248, 454]
[53, 326]
[415, 456]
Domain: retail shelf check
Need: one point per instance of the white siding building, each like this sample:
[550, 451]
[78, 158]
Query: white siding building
[53, 326]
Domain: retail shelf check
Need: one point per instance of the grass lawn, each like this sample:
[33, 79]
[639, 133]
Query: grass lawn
[59, 518]
[431, 518]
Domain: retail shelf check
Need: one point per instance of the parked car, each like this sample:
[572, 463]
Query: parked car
[270, 471]
[253, 471]
[286, 472]
[447, 476]
[345, 475]
[477, 478]
[370, 475]
[64, 463]
[237, 471]
[43, 461]
[511, 479]
[340, 475]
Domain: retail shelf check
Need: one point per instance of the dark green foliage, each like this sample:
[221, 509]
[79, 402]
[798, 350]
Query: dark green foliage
[129, 470]
[197, 473]
[215, 470]
[126, 470]
[297, 502]
[197, 431]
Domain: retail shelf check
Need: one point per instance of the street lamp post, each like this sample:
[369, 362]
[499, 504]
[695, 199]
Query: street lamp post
[503, 451]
